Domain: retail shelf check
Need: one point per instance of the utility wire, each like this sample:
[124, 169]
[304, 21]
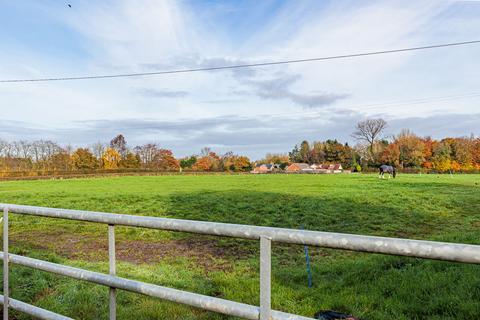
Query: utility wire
[238, 66]
[383, 105]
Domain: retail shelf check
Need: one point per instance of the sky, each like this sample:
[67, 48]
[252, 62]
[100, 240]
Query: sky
[248, 111]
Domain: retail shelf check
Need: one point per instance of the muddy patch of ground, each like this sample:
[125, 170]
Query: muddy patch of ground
[204, 252]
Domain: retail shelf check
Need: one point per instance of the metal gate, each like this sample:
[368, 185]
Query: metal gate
[391, 246]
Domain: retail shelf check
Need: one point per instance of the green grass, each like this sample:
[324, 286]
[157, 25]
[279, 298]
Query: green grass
[445, 208]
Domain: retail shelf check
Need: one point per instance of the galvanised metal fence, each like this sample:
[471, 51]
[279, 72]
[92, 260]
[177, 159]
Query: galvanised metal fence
[391, 246]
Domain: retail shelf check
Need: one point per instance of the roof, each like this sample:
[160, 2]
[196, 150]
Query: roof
[267, 165]
[302, 166]
[326, 166]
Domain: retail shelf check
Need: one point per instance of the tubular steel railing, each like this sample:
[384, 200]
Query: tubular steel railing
[391, 246]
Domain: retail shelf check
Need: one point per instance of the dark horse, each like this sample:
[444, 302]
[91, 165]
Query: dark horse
[387, 169]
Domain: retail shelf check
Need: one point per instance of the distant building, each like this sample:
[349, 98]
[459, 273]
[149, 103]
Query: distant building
[263, 168]
[330, 168]
[327, 168]
[266, 168]
[337, 168]
[299, 168]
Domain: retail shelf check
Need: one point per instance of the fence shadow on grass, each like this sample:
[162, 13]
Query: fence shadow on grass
[371, 216]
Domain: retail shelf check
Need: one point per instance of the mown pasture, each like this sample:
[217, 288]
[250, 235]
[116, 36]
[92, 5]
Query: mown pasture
[434, 207]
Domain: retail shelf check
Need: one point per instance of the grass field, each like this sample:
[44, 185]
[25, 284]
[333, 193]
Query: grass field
[369, 286]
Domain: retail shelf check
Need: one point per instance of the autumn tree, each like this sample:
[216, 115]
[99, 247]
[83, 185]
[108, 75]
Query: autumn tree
[441, 157]
[83, 159]
[203, 164]
[391, 154]
[131, 161]
[165, 161]
[242, 163]
[282, 159]
[317, 153]
[304, 152]
[110, 158]
[335, 152]
[476, 152]
[462, 153]
[428, 146]
[411, 149]
[207, 162]
[232, 162]
[61, 161]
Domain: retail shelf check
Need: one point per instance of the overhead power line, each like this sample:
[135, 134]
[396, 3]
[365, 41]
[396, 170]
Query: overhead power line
[238, 66]
[381, 105]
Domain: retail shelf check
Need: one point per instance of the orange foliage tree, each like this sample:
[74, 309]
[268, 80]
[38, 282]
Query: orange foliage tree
[441, 157]
[411, 149]
[208, 162]
[110, 159]
[391, 154]
[164, 160]
[236, 163]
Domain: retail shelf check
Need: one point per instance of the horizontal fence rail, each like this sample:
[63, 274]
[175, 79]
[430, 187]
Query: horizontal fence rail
[192, 299]
[392, 246]
[33, 311]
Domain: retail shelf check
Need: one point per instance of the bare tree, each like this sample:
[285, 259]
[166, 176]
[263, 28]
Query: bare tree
[120, 144]
[98, 149]
[146, 153]
[23, 149]
[5, 147]
[205, 151]
[369, 131]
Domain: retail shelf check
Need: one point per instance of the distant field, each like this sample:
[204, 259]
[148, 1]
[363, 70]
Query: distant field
[370, 286]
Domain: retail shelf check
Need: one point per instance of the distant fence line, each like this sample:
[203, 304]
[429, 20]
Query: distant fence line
[29, 175]
[37, 175]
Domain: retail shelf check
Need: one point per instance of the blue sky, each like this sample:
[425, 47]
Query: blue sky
[250, 111]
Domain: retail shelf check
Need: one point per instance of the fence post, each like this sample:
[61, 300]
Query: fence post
[5, 264]
[112, 270]
[265, 277]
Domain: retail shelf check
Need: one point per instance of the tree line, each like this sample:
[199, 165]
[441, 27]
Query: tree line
[43, 157]
[410, 152]
[406, 151]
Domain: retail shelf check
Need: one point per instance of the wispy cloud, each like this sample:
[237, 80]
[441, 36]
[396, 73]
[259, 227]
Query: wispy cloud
[159, 93]
[280, 87]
